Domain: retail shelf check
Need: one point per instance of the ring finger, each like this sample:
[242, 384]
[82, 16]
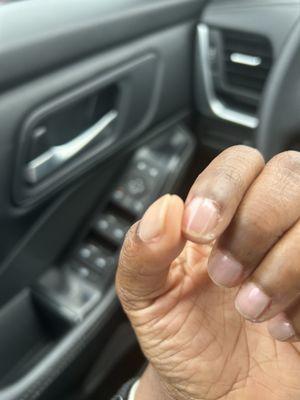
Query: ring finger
[285, 327]
[275, 284]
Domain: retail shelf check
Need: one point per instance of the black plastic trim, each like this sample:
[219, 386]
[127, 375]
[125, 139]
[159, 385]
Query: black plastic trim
[29, 49]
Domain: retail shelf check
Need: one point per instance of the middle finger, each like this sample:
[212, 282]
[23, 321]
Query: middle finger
[270, 208]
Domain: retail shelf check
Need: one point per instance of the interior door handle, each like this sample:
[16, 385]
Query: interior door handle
[56, 156]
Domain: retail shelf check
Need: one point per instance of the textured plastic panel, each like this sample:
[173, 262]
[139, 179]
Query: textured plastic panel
[280, 117]
[47, 50]
[272, 19]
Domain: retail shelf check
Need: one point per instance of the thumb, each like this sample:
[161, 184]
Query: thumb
[149, 248]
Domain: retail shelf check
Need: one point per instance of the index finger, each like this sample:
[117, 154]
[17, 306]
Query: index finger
[218, 191]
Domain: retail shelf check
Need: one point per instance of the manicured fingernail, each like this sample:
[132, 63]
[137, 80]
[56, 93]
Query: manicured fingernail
[224, 270]
[251, 301]
[280, 328]
[201, 217]
[152, 224]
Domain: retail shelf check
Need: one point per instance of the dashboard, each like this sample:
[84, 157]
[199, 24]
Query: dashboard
[238, 44]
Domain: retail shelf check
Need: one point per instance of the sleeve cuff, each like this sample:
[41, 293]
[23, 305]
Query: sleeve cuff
[128, 391]
[133, 390]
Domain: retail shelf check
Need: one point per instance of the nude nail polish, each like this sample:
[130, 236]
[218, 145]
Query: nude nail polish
[281, 328]
[251, 301]
[224, 270]
[151, 226]
[201, 218]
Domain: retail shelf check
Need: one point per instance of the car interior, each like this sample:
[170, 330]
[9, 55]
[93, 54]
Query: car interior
[105, 105]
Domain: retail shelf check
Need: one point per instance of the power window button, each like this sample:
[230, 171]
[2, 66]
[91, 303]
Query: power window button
[111, 227]
[96, 257]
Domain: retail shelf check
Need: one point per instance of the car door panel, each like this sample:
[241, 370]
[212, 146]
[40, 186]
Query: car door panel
[31, 48]
[137, 58]
[32, 95]
[134, 102]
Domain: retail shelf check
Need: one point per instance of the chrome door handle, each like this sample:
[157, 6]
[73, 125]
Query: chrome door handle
[56, 156]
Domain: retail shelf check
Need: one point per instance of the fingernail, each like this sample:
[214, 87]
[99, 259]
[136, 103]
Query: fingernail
[280, 328]
[251, 301]
[224, 270]
[152, 224]
[201, 217]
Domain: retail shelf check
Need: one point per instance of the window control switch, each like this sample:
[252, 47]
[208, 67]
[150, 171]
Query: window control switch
[140, 184]
[111, 227]
[97, 257]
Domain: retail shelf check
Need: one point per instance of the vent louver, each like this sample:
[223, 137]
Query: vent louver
[233, 68]
[247, 60]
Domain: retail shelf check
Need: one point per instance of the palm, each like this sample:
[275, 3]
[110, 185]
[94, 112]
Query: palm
[197, 341]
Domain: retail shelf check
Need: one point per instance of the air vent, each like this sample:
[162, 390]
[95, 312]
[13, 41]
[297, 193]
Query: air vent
[233, 68]
[247, 60]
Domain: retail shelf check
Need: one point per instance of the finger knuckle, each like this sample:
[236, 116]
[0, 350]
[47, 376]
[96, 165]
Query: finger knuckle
[259, 221]
[232, 175]
[246, 154]
[238, 161]
[128, 251]
[288, 163]
[124, 295]
[126, 258]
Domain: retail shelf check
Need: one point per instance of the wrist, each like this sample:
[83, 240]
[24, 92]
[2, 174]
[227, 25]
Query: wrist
[151, 387]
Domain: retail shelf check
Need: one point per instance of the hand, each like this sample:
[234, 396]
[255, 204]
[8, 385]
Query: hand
[185, 269]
